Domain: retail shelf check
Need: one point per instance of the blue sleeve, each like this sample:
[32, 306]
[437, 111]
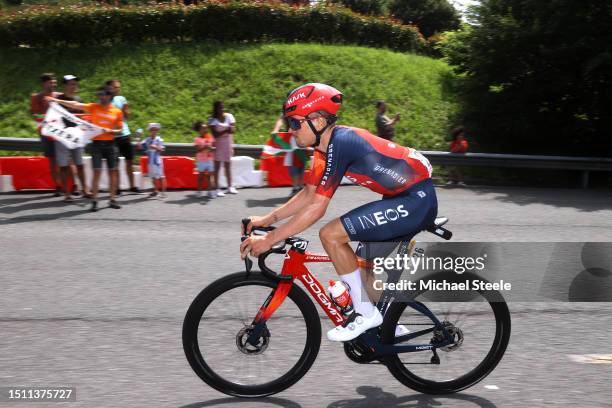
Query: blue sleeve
[341, 152]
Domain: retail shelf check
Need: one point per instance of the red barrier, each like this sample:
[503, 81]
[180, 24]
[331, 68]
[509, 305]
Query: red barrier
[28, 172]
[277, 172]
[179, 171]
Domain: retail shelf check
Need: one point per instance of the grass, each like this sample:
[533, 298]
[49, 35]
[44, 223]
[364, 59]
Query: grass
[176, 84]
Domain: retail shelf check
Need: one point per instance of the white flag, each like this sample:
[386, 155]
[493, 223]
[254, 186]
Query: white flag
[68, 129]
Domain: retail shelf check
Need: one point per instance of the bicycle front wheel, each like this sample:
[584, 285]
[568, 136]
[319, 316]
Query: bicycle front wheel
[217, 325]
[481, 329]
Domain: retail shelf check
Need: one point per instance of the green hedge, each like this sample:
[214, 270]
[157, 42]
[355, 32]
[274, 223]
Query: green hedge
[216, 21]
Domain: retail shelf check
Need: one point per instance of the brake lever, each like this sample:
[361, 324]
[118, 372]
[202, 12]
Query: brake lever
[248, 263]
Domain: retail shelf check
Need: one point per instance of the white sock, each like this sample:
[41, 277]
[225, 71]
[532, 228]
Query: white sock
[361, 301]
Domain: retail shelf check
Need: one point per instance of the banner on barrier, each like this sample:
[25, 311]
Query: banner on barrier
[66, 128]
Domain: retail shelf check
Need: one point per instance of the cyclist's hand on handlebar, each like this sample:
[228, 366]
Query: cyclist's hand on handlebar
[255, 245]
[256, 222]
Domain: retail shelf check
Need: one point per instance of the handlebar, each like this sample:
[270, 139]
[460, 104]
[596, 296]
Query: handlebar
[278, 249]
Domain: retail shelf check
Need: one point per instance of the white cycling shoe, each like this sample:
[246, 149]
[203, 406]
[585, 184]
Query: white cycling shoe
[355, 326]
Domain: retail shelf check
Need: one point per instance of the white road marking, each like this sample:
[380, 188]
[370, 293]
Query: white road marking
[591, 358]
[491, 387]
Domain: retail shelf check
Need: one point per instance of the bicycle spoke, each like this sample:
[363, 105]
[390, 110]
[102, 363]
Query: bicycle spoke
[238, 307]
[477, 323]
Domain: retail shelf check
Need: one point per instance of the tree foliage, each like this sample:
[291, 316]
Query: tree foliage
[214, 20]
[367, 7]
[537, 75]
[431, 16]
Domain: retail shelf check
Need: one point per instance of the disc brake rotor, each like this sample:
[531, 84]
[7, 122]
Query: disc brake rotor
[247, 348]
[455, 332]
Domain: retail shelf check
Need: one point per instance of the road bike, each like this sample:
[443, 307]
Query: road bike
[253, 334]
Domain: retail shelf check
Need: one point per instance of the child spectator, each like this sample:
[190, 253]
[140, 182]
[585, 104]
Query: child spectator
[458, 145]
[154, 146]
[204, 158]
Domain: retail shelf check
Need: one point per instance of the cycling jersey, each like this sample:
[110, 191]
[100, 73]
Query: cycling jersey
[378, 164]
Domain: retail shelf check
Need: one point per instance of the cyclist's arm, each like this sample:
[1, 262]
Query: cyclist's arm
[69, 104]
[126, 111]
[293, 206]
[310, 214]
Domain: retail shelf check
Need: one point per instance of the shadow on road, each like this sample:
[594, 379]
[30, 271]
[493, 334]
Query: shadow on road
[74, 209]
[582, 200]
[22, 198]
[26, 206]
[190, 199]
[268, 202]
[45, 217]
[246, 402]
[375, 397]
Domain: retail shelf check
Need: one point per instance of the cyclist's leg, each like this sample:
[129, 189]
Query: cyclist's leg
[336, 243]
[335, 240]
[396, 217]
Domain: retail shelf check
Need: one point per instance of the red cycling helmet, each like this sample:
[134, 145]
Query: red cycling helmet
[310, 98]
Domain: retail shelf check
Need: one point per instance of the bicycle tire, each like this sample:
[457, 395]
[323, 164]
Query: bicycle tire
[201, 368]
[486, 366]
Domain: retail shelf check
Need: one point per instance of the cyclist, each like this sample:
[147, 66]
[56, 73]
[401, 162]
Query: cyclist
[402, 175]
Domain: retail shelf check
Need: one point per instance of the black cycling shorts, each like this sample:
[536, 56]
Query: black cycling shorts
[402, 216]
[104, 149]
[124, 144]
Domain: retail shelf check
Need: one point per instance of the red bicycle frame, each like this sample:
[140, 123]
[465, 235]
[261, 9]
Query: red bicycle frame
[294, 266]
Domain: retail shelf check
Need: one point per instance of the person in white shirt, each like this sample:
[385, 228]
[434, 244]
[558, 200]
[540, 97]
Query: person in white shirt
[223, 126]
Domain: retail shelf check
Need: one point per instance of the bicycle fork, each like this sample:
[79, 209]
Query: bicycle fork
[272, 303]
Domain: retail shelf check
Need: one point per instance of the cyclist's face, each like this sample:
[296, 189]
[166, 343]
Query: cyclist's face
[304, 136]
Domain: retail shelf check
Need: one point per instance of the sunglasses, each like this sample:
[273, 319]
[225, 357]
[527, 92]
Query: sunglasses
[294, 123]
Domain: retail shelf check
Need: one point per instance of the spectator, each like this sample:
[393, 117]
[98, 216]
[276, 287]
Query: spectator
[38, 108]
[124, 140]
[458, 145]
[385, 127]
[63, 155]
[295, 164]
[223, 126]
[204, 158]
[108, 117]
[154, 146]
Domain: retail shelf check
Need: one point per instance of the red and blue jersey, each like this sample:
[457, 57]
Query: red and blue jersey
[378, 164]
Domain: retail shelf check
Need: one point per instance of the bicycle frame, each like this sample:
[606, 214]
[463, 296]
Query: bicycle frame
[294, 266]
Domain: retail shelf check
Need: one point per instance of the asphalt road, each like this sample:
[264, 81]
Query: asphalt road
[96, 300]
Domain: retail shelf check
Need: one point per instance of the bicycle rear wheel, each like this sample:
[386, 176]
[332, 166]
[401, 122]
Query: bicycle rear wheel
[216, 327]
[483, 324]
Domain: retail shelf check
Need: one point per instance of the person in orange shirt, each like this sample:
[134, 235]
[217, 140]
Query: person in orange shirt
[459, 144]
[105, 115]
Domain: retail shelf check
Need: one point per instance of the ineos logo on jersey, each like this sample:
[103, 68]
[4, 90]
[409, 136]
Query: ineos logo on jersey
[296, 98]
[383, 217]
